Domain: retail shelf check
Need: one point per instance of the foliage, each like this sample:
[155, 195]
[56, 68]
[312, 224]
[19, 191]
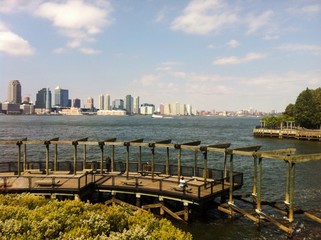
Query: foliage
[276, 121]
[305, 109]
[289, 110]
[27, 216]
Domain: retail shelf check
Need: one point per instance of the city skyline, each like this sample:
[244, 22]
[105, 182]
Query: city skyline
[213, 54]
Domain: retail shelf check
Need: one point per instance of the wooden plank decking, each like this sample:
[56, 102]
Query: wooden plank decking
[161, 185]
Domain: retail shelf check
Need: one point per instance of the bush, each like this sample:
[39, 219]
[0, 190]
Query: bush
[27, 216]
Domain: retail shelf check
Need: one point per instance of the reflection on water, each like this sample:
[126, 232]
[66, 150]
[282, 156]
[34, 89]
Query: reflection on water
[210, 130]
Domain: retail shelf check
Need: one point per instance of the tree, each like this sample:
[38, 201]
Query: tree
[307, 110]
[290, 110]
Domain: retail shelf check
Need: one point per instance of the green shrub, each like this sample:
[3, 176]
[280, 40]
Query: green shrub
[33, 217]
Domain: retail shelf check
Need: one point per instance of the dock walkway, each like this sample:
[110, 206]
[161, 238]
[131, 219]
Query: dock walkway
[300, 134]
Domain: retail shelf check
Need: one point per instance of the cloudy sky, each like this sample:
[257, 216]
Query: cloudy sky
[212, 54]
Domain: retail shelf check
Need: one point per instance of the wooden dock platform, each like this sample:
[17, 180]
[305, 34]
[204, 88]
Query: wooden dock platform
[300, 134]
[140, 179]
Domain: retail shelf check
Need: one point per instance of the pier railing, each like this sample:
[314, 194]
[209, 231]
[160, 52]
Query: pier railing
[133, 172]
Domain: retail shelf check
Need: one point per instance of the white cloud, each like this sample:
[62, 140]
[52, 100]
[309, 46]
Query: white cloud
[311, 9]
[257, 22]
[204, 17]
[13, 6]
[302, 48]
[78, 20]
[89, 51]
[148, 80]
[59, 50]
[13, 44]
[233, 43]
[238, 60]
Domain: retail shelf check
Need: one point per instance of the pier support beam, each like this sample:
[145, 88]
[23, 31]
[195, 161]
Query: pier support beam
[231, 180]
[138, 201]
[19, 157]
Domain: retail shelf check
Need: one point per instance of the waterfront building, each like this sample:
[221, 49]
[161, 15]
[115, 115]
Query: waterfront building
[14, 92]
[129, 104]
[101, 102]
[43, 99]
[118, 104]
[89, 103]
[27, 109]
[76, 103]
[61, 97]
[11, 108]
[111, 112]
[177, 109]
[147, 109]
[136, 108]
[107, 104]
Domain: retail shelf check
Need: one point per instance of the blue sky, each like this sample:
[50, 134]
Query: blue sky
[212, 54]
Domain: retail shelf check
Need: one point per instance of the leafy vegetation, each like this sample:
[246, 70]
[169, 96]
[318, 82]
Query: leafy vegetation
[306, 112]
[28, 216]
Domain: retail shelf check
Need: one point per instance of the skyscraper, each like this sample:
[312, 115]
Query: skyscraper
[136, 105]
[61, 97]
[89, 103]
[107, 104]
[43, 98]
[101, 102]
[76, 103]
[129, 104]
[14, 92]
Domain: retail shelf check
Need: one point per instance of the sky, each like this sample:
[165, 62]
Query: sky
[213, 54]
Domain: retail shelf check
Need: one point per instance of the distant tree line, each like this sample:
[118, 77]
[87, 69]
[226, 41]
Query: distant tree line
[306, 112]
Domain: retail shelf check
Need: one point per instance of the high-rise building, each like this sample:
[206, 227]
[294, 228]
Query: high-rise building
[14, 92]
[118, 104]
[129, 104]
[89, 103]
[101, 102]
[43, 98]
[147, 109]
[76, 103]
[136, 109]
[61, 97]
[107, 105]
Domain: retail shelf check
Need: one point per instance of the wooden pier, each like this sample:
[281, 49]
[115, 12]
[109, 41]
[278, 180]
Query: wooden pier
[300, 134]
[154, 177]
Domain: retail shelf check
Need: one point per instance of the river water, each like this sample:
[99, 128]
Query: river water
[209, 130]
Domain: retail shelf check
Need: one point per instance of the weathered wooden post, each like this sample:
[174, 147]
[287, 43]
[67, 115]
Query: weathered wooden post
[167, 161]
[152, 148]
[231, 180]
[47, 143]
[55, 158]
[127, 159]
[75, 143]
[25, 157]
[224, 167]
[195, 162]
[205, 167]
[140, 159]
[101, 146]
[179, 159]
[85, 157]
[287, 184]
[112, 158]
[254, 192]
[259, 186]
[138, 202]
[19, 157]
[292, 178]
